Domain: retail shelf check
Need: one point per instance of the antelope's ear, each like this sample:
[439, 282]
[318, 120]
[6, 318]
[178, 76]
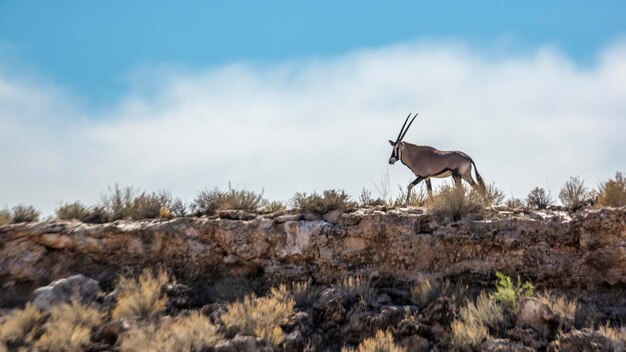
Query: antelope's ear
[392, 142]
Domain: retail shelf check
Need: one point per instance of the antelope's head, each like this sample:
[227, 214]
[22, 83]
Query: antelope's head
[396, 153]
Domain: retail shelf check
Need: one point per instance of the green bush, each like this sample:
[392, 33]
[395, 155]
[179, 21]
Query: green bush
[321, 204]
[538, 198]
[574, 194]
[23, 213]
[510, 293]
[612, 193]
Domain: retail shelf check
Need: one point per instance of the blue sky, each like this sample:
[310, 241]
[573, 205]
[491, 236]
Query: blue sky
[91, 47]
[296, 96]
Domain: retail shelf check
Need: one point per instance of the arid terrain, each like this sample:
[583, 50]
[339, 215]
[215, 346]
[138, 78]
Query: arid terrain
[366, 278]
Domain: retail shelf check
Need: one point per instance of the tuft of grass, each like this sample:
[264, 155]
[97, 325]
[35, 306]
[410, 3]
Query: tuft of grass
[560, 305]
[69, 327]
[18, 325]
[510, 293]
[190, 333]
[485, 311]
[142, 297]
[612, 193]
[357, 286]
[617, 335]
[5, 217]
[538, 198]
[129, 203]
[366, 199]
[424, 291]
[492, 196]
[274, 207]
[381, 342]
[466, 335]
[303, 293]
[261, 316]
[455, 202]
[72, 211]
[321, 204]
[418, 198]
[208, 202]
[514, 203]
[574, 194]
[24, 213]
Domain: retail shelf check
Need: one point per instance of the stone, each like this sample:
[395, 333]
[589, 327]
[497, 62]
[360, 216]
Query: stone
[504, 345]
[333, 216]
[584, 340]
[534, 313]
[63, 290]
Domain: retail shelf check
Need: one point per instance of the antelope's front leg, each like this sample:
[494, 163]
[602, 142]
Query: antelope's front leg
[410, 187]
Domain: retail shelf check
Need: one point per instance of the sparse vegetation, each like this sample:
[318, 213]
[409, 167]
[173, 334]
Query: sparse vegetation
[142, 297]
[72, 211]
[418, 197]
[274, 207]
[617, 335]
[69, 327]
[492, 196]
[381, 342]
[129, 203]
[560, 305]
[24, 213]
[612, 193]
[5, 217]
[510, 293]
[261, 316]
[357, 286]
[455, 202]
[366, 199]
[424, 291]
[574, 194]
[208, 202]
[188, 333]
[538, 198]
[17, 327]
[321, 204]
[514, 203]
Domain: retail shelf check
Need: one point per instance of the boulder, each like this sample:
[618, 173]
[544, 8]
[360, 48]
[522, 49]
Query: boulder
[533, 313]
[86, 290]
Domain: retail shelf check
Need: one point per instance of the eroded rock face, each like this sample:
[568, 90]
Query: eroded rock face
[587, 251]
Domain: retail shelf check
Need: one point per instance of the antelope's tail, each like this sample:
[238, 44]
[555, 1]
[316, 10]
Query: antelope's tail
[478, 177]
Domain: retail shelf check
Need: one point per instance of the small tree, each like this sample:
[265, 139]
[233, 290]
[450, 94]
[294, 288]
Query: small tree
[539, 198]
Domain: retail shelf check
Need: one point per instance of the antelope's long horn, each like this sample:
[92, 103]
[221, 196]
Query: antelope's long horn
[407, 127]
[402, 129]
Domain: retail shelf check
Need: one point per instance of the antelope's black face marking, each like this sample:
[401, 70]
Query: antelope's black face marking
[395, 152]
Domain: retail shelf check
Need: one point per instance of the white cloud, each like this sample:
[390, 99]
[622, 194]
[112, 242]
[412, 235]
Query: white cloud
[318, 124]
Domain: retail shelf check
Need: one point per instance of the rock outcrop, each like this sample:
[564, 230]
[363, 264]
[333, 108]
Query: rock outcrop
[584, 251]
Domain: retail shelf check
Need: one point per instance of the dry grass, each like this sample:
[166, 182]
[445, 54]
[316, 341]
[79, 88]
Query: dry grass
[191, 333]
[261, 316]
[5, 217]
[72, 211]
[18, 325]
[208, 202]
[612, 193]
[321, 204]
[424, 291]
[142, 297]
[468, 334]
[538, 198]
[381, 342]
[24, 213]
[274, 206]
[492, 196]
[417, 198]
[129, 203]
[574, 194]
[560, 305]
[303, 293]
[357, 286]
[455, 202]
[69, 327]
[514, 203]
[617, 335]
[366, 199]
[484, 311]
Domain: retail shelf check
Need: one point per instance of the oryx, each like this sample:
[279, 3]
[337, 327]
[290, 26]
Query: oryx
[426, 162]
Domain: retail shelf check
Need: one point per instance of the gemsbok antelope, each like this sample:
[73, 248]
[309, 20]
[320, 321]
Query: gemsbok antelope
[426, 162]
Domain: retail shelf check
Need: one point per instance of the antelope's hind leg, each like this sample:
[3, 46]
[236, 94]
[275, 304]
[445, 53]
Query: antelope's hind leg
[429, 187]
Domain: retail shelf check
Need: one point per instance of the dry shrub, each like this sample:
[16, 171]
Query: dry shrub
[5, 217]
[560, 305]
[18, 325]
[612, 193]
[366, 199]
[72, 211]
[424, 291]
[514, 203]
[261, 316]
[357, 286]
[617, 335]
[468, 334]
[208, 202]
[129, 203]
[68, 327]
[538, 198]
[191, 333]
[142, 297]
[381, 342]
[455, 202]
[24, 213]
[485, 311]
[492, 196]
[574, 194]
[274, 207]
[321, 204]
[304, 293]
